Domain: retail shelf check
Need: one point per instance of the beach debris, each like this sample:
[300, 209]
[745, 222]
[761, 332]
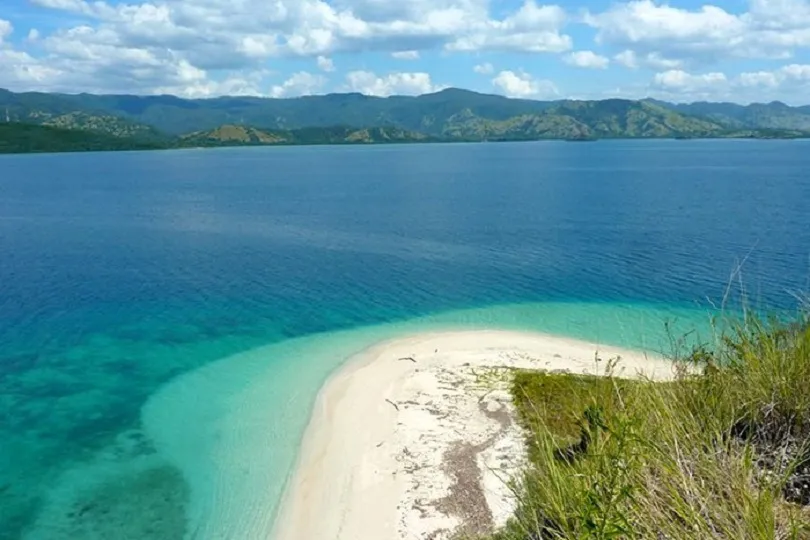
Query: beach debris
[392, 403]
[410, 358]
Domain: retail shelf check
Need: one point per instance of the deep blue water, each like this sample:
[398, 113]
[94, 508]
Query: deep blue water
[120, 271]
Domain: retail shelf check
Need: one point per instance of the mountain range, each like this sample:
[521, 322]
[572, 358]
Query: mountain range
[448, 115]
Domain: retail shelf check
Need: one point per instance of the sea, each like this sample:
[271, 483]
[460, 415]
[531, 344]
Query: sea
[167, 317]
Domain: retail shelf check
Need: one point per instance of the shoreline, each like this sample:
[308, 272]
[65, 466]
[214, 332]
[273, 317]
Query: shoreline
[718, 137]
[415, 437]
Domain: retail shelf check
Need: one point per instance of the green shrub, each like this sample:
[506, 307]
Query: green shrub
[720, 452]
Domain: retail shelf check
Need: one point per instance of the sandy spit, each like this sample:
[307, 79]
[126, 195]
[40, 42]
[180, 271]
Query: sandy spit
[415, 438]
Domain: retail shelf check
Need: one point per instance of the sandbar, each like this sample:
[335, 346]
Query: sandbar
[416, 438]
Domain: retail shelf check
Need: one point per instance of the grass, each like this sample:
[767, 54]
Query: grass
[720, 452]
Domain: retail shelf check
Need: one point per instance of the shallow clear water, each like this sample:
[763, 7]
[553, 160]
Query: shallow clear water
[120, 272]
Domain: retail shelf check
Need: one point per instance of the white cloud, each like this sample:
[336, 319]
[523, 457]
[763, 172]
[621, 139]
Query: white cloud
[76, 6]
[484, 69]
[224, 39]
[299, 84]
[641, 21]
[523, 85]
[676, 79]
[587, 59]
[790, 83]
[532, 28]
[21, 70]
[780, 14]
[318, 27]
[325, 64]
[770, 29]
[657, 61]
[371, 84]
[79, 60]
[5, 29]
[405, 55]
[207, 47]
[793, 75]
[386, 10]
[682, 86]
[653, 60]
[627, 58]
[760, 79]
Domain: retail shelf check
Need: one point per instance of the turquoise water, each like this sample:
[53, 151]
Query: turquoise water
[124, 274]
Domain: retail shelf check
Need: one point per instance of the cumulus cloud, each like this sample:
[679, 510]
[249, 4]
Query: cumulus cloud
[770, 29]
[369, 83]
[405, 55]
[226, 37]
[317, 27]
[643, 21]
[208, 47]
[587, 59]
[76, 60]
[627, 58]
[780, 14]
[299, 84]
[5, 29]
[523, 85]
[532, 28]
[790, 83]
[20, 69]
[676, 79]
[325, 64]
[793, 75]
[653, 60]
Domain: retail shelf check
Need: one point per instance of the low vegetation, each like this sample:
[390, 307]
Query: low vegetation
[247, 136]
[26, 138]
[720, 452]
[451, 115]
[29, 138]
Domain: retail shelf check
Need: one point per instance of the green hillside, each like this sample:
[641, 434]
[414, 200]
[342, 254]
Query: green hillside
[29, 138]
[60, 111]
[774, 115]
[230, 135]
[449, 115]
[583, 119]
[108, 124]
[26, 138]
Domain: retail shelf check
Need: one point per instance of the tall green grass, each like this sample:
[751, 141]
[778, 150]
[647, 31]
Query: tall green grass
[720, 452]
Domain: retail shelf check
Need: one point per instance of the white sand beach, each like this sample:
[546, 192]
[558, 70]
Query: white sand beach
[415, 438]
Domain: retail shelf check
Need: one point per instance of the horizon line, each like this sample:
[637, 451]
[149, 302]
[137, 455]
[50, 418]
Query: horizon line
[397, 96]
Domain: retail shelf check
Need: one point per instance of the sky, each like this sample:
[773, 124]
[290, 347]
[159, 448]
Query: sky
[683, 50]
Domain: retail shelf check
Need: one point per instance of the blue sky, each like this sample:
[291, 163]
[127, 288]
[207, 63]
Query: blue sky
[683, 50]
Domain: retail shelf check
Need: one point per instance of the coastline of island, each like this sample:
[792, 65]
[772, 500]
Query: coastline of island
[417, 436]
[61, 122]
[39, 139]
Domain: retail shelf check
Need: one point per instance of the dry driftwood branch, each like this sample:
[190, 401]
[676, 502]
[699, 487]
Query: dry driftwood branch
[392, 403]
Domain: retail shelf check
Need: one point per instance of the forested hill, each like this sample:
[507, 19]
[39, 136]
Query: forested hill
[31, 138]
[449, 115]
[26, 138]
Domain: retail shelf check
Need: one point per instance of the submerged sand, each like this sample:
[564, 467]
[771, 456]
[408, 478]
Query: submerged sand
[416, 438]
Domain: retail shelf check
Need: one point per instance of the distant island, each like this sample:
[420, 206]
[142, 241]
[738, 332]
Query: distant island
[40, 122]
